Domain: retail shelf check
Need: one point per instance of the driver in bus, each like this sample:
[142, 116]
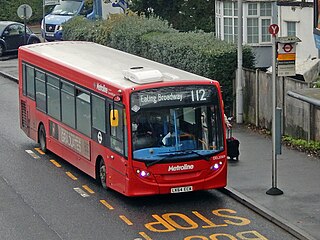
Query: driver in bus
[144, 127]
[149, 127]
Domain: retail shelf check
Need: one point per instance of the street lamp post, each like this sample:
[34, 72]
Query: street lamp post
[239, 90]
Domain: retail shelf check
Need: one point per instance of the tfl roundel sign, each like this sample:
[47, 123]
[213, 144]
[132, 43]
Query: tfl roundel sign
[287, 47]
[273, 29]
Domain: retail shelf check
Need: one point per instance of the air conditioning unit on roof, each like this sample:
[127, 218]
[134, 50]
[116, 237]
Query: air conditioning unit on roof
[142, 75]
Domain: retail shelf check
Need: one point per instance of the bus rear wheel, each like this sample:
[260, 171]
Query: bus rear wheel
[42, 138]
[103, 174]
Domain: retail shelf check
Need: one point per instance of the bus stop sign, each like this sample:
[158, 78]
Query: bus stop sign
[24, 11]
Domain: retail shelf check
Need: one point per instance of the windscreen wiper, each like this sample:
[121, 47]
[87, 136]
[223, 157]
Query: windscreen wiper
[207, 158]
[175, 154]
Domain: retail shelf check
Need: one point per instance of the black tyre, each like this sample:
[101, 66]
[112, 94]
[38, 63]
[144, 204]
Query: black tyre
[34, 40]
[102, 174]
[42, 138]
[1, 50]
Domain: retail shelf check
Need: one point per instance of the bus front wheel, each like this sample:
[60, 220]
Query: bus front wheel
[42, 138]
[103, 174]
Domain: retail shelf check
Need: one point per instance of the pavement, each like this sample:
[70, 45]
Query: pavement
[297, 210]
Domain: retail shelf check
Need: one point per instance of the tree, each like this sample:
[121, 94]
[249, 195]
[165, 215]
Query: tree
[8, 10]
[184, 15]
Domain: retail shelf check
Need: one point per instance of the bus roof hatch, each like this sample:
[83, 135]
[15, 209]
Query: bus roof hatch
[142, 75]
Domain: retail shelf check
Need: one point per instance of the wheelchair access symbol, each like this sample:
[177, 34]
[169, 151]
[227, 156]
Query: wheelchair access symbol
[99, 137]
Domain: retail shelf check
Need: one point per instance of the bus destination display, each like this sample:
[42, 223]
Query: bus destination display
[168, 96]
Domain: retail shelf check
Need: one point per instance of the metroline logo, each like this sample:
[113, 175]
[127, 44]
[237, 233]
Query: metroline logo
[180, 168]
[101, 87]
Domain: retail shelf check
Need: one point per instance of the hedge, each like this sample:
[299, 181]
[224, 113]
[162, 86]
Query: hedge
[197, 52]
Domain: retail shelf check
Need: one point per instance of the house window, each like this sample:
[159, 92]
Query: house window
[228, 33]
[252, 9]
[253, 30]
[265, 35]
[235, 29]
[218, 8]
[227, 9]
[265, 9]
[235, 9]
[259, 17]
[291, 28]
[218, 31]
[230, 21]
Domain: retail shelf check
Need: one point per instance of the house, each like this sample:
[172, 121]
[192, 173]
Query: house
[295, 18]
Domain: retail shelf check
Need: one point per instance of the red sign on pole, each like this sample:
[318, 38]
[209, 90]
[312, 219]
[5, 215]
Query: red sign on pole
[287, 47]
[273, 29]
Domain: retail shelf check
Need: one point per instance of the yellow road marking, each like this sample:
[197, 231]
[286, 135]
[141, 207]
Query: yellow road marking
[145, 236]
[55, 163]
[89, 190]
[126, 220]
[39, 151]
[104, 202]
[71, 176]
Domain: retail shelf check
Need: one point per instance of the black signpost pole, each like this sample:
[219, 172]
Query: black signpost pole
[25, 23]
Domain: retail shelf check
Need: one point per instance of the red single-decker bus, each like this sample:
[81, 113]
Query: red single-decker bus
[137, 126]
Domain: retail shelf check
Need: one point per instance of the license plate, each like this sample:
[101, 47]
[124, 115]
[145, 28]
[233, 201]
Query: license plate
[50, 34]
[182, 189]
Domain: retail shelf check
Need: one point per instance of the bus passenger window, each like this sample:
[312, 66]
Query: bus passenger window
[53, 97]
[83, 113]
[98, 113]
[68, 104]
[41, 99]
[30, 81]
[24, 79]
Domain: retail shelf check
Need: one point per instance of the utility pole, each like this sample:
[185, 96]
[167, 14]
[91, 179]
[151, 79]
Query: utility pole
[274, 190]
[239, 90]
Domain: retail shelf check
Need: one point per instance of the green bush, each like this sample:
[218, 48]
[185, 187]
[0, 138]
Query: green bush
[197, 52]
[311, 147]
[127, 34]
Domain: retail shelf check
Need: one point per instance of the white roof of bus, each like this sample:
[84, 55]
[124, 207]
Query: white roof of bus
[106, 63]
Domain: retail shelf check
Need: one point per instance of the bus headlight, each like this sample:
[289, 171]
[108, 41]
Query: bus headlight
[216, 166]
[59, 28]
[142, 173]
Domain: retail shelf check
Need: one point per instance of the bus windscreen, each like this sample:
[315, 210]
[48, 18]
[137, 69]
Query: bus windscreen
[173, 124]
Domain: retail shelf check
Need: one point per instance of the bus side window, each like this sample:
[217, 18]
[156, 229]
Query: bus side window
[118, 134]
[68, 104]
[98, 113]
[83, 111]
[53, 97]
[24, 79]
[30, 82]
[41, 97]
